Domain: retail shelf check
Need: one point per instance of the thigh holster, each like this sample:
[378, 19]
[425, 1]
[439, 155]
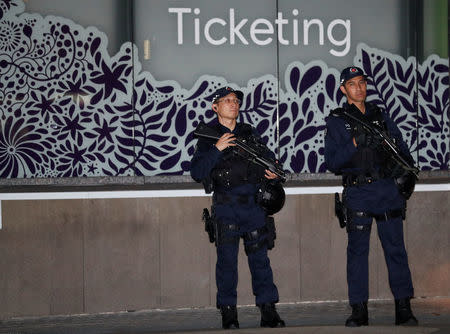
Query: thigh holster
[391, 214]
[262, 237]
[352, 226]
[223, 234]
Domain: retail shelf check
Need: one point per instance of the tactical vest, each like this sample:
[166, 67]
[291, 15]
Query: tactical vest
[371, 162]
[234, 169]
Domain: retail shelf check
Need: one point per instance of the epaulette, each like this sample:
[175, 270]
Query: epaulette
[337, 112]
[245, 130]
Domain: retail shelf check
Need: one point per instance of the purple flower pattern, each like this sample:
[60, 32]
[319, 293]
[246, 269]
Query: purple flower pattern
[69, 109]
[21, 151]
[433, 114]
[423, 120]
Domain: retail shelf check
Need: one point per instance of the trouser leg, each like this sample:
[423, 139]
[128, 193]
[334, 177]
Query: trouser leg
[263, 286]
[357, 266]
[390, 233]
[227, 274]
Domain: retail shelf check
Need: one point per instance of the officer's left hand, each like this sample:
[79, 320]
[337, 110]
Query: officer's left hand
[269, 175]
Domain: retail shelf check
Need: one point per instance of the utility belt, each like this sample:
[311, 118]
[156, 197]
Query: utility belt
[347, 216]
[405, 182]
[222, 198]
[351, 180]
[221, 233]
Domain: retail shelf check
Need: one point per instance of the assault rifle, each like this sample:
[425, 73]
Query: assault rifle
[253, 154]
[386, 143]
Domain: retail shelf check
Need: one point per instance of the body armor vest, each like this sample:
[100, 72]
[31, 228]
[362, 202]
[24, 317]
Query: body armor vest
[371, 162]
[233, 169]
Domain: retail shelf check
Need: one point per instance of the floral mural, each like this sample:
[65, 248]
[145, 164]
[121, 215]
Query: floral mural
[70, 109]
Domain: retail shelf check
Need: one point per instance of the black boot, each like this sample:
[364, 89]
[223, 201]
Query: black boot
[229, 317]
[269, 316]
[403, 313]
[359, 317]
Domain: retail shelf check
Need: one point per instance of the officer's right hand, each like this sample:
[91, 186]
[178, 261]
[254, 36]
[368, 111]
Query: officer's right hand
[270, 175]
[360, 140]
[225, 141]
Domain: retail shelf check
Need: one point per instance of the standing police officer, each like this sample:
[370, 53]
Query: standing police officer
[235, 182]
[370, 191]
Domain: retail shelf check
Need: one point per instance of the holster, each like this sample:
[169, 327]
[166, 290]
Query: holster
[269, 232]
[340, 211]
[210, 225]
[208, 185]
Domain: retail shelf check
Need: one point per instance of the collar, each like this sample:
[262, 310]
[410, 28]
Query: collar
[224, 129]
[369, 108]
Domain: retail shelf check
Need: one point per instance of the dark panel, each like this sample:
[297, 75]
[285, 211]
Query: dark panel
[428, 240]
[122, 259]
[66, 255]
[75, 256]
[378, 274]
[244, 290]
[185, 253]
[41, 258]
[337, 255]
[285, 257]
[317, 276]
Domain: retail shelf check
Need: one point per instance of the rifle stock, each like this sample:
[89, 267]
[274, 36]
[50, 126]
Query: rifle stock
[205, 131]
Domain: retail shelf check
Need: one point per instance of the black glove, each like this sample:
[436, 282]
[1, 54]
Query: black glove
[368, 140]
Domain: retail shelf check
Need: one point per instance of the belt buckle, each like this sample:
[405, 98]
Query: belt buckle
[233, 227]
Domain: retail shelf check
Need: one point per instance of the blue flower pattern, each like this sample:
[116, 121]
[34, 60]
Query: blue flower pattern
[69, 109]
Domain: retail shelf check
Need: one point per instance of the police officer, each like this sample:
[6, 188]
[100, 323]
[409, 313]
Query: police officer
[235, 182]
[370, 192]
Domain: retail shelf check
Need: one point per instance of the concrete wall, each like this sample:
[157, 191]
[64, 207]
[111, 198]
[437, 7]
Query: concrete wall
[97, 255]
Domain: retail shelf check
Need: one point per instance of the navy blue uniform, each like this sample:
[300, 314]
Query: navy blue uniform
[376, 197]
[237, 214]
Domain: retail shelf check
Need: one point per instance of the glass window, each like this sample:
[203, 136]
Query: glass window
[115, 88]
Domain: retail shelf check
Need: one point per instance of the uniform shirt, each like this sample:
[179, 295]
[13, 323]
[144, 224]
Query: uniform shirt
[377, 197]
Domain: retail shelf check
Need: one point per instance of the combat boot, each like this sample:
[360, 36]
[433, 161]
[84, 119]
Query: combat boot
[229, 317]
[403, 313]
[269, 316]
[359, 317]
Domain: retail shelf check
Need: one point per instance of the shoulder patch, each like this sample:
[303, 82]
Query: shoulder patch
[338, 113]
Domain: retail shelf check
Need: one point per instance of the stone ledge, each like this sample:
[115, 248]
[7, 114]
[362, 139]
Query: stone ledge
[111, 183]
